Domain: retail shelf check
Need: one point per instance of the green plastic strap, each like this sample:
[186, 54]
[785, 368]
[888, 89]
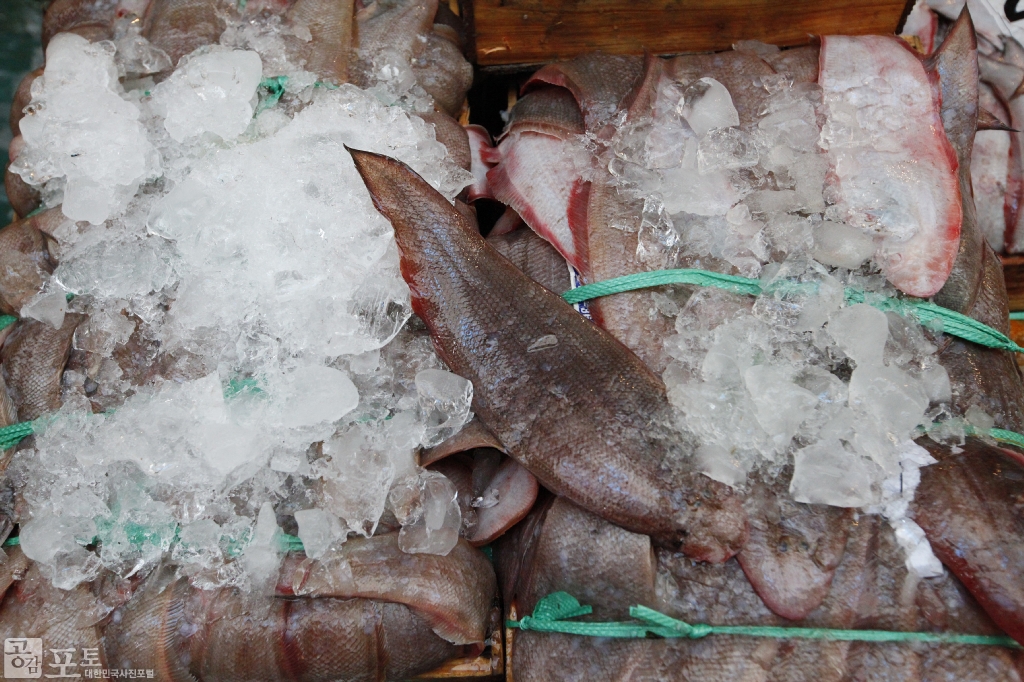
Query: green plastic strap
[6, 321]
[13, 434]
[552, 612]
[953, 323]
[1018, 315]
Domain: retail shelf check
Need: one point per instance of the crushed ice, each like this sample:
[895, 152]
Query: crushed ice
[795, 383]
[246, 348]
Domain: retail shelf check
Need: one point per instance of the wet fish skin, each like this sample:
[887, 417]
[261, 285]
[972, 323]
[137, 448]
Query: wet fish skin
[535, 257]
[599, 82]
[180, 26]
[452, 593]
[25, 264]
[33, 359]
[473, 435]
[330, 24]
[968, 506]
[794, 548]
[227, 636]
[581, 415]
[92, 19]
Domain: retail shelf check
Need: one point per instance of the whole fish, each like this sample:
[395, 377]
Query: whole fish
[565, 399]
[182, 633]
[329, 23]
[871, 590]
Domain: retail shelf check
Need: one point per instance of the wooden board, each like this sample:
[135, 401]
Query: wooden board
[538, 31]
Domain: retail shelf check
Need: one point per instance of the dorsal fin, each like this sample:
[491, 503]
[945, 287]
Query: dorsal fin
[989, 121]
[956, 65]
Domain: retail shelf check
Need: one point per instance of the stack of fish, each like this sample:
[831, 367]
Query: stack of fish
[221, 344]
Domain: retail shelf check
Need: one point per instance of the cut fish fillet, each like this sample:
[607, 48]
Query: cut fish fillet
[893, 172]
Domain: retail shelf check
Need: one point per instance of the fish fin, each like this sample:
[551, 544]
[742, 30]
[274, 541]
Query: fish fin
[510, 221]
[955, 64]
[989, 121]
[472, 436]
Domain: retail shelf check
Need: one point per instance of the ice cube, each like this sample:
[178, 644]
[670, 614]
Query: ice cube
[445, 400]
[428, 509]
[921, 561]
[825, 473]
[977, 417]
[47, 307]
[357, 480]
[318, 530]
[261, 558]
[211, 91]
[892, 396]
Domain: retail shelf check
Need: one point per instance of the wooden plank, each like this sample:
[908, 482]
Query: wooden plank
[538, 31]
[1013, 273]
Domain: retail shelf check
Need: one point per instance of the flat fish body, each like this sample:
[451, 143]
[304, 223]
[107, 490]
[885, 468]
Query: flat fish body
[230, 636]
[967, 505]
[989, 170]
[794, 548]
[535, 257]
[579, 411]
[452, 593]
[33, 359]
[329, 23]
[180, 26]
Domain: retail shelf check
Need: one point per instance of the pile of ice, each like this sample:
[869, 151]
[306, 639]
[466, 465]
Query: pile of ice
[246, 350]
[797, 382]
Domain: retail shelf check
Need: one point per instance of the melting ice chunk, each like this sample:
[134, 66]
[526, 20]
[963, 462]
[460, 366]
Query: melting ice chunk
[81, 130]
[860, 331]
[892, 396]
[261, 557]
[707, 105]
[445, 399]
[318, 530]
[719, 464]
[840, 245]
[825, 473]
[428, 509]
[781, 405]
[357, 480]
[210, 91]
[313, 395]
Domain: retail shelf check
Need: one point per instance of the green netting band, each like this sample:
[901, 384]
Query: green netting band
[953, 323]
[553, 611]
[1017, 315]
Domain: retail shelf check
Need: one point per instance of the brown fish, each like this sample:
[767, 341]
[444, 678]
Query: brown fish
[580, 412]
[33, 359]
[452, 593]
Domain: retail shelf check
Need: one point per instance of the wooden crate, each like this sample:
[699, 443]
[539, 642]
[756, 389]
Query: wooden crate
[539, 31]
